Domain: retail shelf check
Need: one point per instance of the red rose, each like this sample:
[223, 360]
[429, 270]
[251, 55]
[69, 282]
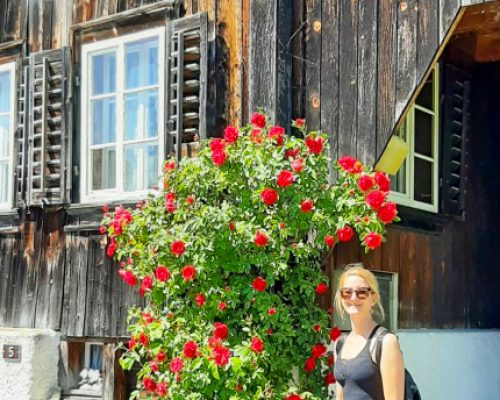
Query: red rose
[259, 284]
[373, 240]
[230, 134]
[101, 230]
[213, 343]
[190, 349]
[318, 350]
[110, 251]
[269, 196]
[216, 144]
[160, 356]
[306, 205]
[293, 397]
[147, 282]
[309, 364]
[189, 200]
[321, 288]
[260, 239]
[161, 273]
[256, 345]
[276, 133]
[365, 183]
[149, 384]
[314, 145]
[221, 356]
[291, 153]
[383, 183]
[230, 226]
[329, 379]
[218, 157]
[271, 311]
[176, 364]
[258, 120]
[177, 247]
[105, 209]
[345, 234]
[346, 163]
[330, 360]
[128, 277]
[188, 272]
[284, 179]
[299, 122]
[316, 328]
[161, 389]
[335, 333]
[169, 166]
[255, 136]
[154, 366]
[220, 330]
[297, 164]
[147, 318]
[387, 212]
[131, 344]
[329, 240]
[221, 306]
[143, 339]
[375, 199]
[200, 299]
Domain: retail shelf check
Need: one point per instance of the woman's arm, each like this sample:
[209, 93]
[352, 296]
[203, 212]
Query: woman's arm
[338, 392]
[392, 369]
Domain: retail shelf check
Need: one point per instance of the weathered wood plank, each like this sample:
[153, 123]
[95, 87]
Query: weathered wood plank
[406, 56]
[425, 283]
[329, 75]
[15, 20]
[298, 59]
[387, 51]
[427, 27]
[47, 24]
[348, 77]
[262, 62]
[35, 25]
[391, 251]
[407, 280]
[367, 82]
[108, 371]
[312, 67]
[448, 12]
[6, 272]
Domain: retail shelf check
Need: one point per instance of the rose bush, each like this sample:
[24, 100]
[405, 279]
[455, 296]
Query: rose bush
[229, 260]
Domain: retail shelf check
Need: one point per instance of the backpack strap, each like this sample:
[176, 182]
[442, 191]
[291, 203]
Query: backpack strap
[338, 345]
[378, 340]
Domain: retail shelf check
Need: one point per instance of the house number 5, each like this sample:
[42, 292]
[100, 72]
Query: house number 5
[12, 352]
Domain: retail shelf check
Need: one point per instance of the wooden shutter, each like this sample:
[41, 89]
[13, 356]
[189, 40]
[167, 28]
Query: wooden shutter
[455, 117]
[187, 82]
[49, 110]
[21, 143]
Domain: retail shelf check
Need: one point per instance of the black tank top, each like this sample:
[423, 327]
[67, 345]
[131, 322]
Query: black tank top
[359, 376]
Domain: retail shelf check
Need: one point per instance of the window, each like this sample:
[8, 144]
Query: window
[122, 115]
[7, 115]
[388, 286]
[416, 184]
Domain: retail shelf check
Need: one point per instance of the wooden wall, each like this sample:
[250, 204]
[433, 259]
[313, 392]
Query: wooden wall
[349, 66]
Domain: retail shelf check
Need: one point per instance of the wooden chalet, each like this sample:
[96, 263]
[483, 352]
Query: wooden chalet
[426, 71]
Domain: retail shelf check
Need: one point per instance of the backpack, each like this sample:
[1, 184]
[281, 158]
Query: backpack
[411, 389]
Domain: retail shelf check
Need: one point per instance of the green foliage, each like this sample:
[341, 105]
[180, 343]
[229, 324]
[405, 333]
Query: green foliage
[214, 204]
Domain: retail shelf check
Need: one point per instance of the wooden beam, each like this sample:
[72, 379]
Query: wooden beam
[10, 45]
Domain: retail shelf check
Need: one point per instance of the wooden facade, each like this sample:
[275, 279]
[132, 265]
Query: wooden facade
[350, 67]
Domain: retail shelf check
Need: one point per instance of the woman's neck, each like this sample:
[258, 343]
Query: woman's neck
[362, 326]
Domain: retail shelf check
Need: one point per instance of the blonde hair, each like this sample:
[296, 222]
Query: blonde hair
[357, 269]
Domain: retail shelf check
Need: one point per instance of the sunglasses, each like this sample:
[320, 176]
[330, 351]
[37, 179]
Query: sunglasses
[361, 293]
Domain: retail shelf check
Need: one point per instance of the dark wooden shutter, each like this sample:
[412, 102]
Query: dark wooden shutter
[49, 111]
[187, 82]
[21, 144]
[455, 114]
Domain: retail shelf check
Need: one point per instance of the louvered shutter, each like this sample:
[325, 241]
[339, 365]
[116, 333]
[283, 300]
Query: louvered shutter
[21, 143]
[455, 114]
[187, 82]
[49, 111]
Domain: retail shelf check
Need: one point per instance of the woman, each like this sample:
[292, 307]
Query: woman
[358, 376]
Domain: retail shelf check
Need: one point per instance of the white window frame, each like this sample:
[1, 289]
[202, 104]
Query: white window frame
[407, 198]
[86, 194]
[11, 68]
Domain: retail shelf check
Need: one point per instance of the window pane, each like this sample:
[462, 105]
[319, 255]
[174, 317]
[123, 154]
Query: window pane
[141, 63]
[4, 92]
[398, 182]
[103, 121]
[423, 133]
[4, 181]
[141, 115]
[95, 357]
[423, 181]
[4, 136]
[141, 166]
[103, 169]
[103, 73]
[424, 98]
